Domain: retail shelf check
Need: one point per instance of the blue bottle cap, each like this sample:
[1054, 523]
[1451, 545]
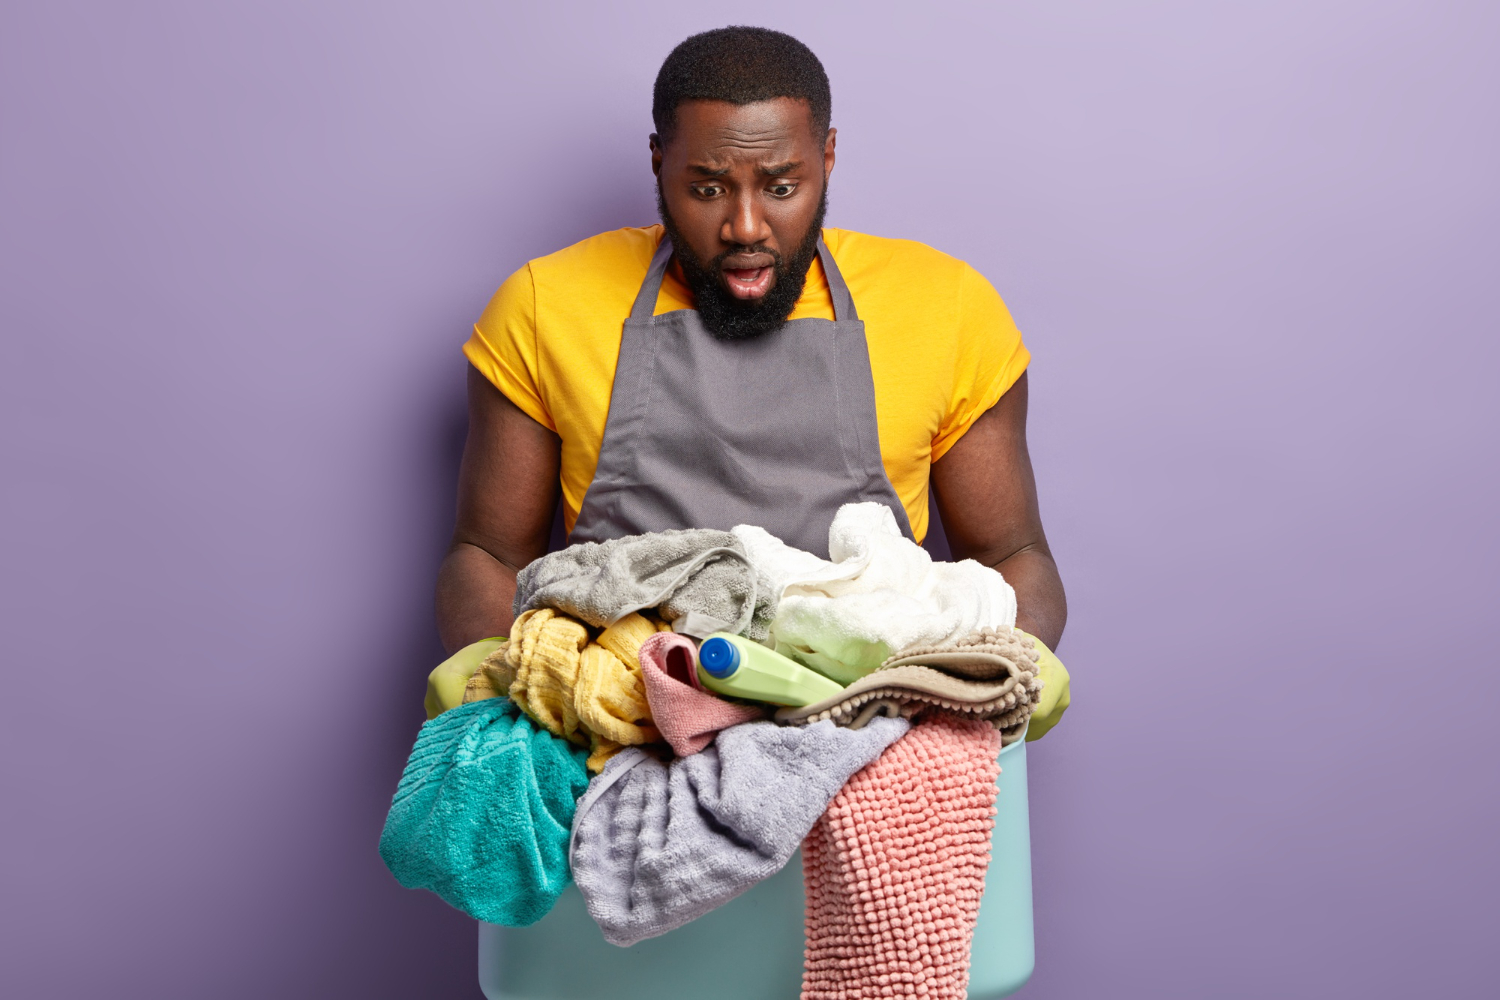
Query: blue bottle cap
[718, 657]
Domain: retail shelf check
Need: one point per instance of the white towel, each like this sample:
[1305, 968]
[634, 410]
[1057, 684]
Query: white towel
[878, 595]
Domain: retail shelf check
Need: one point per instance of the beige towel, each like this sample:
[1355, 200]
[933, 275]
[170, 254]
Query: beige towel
[987, 654]
[923, 677]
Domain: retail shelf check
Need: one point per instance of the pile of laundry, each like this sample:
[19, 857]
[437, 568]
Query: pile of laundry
[593, 745]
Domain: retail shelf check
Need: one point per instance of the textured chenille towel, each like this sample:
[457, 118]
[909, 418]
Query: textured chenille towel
[895, 868]
[879, 594]
[588, 692]
[923, 677]
[657, 845]
[987, 654]
[695, 571]
[483, 812]
[688, 718]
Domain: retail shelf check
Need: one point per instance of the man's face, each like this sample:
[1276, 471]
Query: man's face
[742, 191]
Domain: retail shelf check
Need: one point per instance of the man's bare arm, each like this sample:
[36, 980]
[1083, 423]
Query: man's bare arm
[986, 495]
[507, 493]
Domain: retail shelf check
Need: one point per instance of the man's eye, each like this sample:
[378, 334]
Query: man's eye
[783, 190]
[708, 190]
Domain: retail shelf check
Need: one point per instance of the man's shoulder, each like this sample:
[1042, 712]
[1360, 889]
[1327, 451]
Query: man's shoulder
[618, 257]
[864, 250]
[892, 277]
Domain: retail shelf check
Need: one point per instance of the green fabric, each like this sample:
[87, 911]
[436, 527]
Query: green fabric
[1056, 693]
[483, 813]
[445, 685]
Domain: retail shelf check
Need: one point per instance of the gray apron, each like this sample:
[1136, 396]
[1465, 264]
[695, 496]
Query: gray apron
[777, 431]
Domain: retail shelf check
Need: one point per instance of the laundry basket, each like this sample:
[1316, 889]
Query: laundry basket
[751, 947]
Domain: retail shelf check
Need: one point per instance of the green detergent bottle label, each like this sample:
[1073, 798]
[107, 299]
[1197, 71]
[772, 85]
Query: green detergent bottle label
[734, 666]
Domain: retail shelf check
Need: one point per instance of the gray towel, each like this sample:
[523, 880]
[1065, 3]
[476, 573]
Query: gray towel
[692, 571]
[655, 845]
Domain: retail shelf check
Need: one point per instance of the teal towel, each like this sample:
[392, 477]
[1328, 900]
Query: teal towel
[483, 813]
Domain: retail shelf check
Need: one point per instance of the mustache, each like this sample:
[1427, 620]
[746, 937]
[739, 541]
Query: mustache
[717, 263]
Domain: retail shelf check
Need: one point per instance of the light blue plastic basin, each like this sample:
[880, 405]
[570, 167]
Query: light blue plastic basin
[751, 947]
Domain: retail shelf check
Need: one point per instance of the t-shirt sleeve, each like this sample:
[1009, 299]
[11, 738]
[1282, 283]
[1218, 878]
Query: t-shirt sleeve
[989, 358]
[504, 346]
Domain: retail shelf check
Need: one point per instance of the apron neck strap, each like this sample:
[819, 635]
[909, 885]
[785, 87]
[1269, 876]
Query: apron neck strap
[645, 300]
[843, 302]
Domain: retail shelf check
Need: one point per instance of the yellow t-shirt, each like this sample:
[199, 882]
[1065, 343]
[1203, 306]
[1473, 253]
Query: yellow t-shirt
[943, 348]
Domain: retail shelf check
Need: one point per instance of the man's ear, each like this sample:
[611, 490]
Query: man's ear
[828, 157]
[655, 154]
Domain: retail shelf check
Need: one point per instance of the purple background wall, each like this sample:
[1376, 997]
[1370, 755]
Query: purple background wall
[1252, 248]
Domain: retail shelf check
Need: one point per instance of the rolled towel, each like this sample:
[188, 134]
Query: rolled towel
[687, 717]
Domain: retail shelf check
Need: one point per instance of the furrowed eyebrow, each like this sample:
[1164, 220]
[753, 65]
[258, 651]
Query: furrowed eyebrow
[780, 168]
[704, 170]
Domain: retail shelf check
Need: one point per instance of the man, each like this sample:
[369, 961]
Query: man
[742, 364]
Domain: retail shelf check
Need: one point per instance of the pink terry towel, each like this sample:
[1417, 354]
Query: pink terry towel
[895, 867]
[687, 717]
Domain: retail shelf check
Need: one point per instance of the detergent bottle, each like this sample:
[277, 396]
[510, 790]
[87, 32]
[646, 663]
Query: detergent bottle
[739, 668]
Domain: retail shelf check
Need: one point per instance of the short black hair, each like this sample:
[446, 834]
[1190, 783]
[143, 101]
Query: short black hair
[740, 65]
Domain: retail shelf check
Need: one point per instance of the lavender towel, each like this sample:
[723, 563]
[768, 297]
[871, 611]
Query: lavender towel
[655, 845]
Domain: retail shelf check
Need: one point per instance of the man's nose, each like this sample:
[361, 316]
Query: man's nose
[746, 224]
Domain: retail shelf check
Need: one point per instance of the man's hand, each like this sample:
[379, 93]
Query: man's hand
[986, 495]
[507, 493]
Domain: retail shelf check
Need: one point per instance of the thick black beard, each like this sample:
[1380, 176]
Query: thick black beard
[725, 316]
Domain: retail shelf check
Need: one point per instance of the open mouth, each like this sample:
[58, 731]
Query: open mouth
[749, 279]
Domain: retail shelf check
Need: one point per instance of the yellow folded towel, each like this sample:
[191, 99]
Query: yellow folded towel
[610, 695]
[626, 637]
[480, 687]
[590, 693]
[544, 649]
